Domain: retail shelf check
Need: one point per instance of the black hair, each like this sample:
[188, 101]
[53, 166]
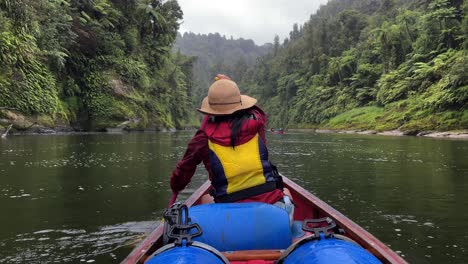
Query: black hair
[236, 120]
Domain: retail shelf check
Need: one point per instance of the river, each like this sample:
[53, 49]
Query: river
[89, 198]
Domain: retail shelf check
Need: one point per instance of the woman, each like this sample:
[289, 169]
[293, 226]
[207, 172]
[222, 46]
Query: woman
[231, 144]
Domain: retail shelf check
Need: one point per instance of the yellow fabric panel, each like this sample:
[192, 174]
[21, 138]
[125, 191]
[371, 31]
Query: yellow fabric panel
[242, 165]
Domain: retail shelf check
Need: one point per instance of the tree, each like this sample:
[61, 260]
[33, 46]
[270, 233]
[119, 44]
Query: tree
[295, 33]
[276, 45]
[447, 17]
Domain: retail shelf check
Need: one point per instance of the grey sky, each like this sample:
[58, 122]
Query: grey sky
[259, 20]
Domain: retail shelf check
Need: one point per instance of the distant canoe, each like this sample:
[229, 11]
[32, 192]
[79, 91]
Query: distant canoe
[354, 241]
[276, 131]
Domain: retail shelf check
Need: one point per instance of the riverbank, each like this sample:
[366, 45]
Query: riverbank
[31, 125]
[41, 130]
[462, 134]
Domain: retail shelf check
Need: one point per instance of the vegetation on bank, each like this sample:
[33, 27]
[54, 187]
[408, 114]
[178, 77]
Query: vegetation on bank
[373, 64]
[359, 64]
[356, 64]
[93, 64]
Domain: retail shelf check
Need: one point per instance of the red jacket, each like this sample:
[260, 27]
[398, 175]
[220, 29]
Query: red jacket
[197, 151]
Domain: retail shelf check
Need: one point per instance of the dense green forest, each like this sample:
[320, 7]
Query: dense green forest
[370, 64]
[93, 64]
[215, 54]
[355, 64]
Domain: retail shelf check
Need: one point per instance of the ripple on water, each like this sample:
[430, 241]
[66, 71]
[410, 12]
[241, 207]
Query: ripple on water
[297, 154]
[72, 245]
[100, 160]
[407, 219]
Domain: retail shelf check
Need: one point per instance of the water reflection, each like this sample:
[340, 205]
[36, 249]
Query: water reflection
[76, 245]
[409, 192]
[86, 198]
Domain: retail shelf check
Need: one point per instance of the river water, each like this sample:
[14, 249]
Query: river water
[90, 198]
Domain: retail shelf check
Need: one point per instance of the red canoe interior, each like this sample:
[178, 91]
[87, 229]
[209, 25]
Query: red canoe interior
[308, 206]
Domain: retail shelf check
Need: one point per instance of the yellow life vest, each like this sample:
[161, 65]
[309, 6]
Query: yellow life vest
[244, 170]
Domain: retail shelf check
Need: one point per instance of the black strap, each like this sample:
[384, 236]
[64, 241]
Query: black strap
[218, 119]
[277, 177]
[238, 102]
[246, 193]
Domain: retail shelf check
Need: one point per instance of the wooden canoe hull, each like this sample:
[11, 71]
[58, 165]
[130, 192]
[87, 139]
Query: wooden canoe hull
[308, 206]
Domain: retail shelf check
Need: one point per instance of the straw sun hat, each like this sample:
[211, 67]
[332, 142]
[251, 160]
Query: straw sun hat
[224, 98]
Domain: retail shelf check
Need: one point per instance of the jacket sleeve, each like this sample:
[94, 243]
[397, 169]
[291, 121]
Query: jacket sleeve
[196, 151]
[262, 121]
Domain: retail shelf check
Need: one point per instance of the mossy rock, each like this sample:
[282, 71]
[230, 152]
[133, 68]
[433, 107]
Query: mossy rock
[3, 114]
[12, 115]
[45, 120]
[135, 125]
[22, 125]
[102, 125]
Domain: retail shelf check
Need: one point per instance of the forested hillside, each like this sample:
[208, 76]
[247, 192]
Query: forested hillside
[92, 64]
[370, 64]
[356, 64]
[217, 54]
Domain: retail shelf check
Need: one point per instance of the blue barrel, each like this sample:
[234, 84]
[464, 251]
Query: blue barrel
[328, 251]
[242, 226]
[193, 254]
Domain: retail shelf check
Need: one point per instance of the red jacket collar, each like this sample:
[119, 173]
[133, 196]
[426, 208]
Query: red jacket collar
[220, 133]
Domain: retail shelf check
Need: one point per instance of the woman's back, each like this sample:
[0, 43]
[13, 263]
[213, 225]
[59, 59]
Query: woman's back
[231, 143]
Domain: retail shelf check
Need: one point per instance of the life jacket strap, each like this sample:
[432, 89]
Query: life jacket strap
[249, 192]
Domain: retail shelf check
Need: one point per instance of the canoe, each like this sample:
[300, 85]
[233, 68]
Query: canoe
[276, 131]
[307, 206]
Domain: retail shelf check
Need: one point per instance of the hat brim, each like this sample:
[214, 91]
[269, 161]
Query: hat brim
[247, 102]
